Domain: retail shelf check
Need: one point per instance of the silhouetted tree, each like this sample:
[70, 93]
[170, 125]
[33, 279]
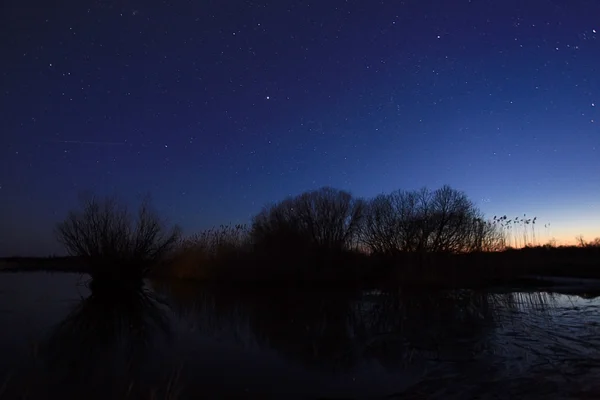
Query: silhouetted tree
[112, 241]
[444, 220]
[322, 219]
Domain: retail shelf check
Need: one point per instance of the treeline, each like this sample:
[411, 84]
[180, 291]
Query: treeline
[331, 226]
[326, 225]
[443, 220]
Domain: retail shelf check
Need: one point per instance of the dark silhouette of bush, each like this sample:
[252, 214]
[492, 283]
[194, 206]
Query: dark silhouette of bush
[581, 242]
[323, 220]
[115, 244]
[422, 221]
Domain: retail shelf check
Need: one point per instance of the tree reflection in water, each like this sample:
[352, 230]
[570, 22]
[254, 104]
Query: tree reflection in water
[101, 348]
[434, 343]
[437, 341]
[340, 328]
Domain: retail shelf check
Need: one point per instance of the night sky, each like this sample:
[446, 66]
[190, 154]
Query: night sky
[218, 107]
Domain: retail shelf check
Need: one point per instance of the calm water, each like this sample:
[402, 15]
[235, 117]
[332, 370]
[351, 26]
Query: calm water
[186, 341]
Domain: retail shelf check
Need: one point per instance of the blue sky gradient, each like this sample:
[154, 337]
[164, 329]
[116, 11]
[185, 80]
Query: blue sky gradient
[217, 108]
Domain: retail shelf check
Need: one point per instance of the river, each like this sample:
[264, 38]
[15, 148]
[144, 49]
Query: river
[182, 340]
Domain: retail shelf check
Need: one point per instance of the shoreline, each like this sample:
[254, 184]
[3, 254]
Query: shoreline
[540, 268]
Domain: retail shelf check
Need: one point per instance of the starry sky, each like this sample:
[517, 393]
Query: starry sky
[218, 107]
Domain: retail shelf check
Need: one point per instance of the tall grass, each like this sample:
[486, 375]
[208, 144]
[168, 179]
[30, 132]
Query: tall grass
[200, 255]
[518, 232]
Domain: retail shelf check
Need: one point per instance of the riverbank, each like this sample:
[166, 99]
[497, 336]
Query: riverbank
[428, 270]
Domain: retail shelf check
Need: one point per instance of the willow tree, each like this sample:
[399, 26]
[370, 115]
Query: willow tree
[115, 243]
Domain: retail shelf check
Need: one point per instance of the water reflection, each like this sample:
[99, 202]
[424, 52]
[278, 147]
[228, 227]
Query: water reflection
[340, 328]
[108, 320]
[102, 347]
[458, 339]
[297, 343]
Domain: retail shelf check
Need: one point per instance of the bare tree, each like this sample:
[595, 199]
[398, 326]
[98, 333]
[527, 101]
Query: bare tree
[444, 220]
[325, 218]
[112, 241]
[380, 231]
[454, 217]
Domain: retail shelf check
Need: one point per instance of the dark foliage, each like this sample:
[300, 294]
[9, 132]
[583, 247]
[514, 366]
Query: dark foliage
[115, 244]
[444, 220]
[325, 219]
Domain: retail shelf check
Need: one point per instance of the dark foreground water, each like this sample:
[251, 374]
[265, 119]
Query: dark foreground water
[58, 340]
